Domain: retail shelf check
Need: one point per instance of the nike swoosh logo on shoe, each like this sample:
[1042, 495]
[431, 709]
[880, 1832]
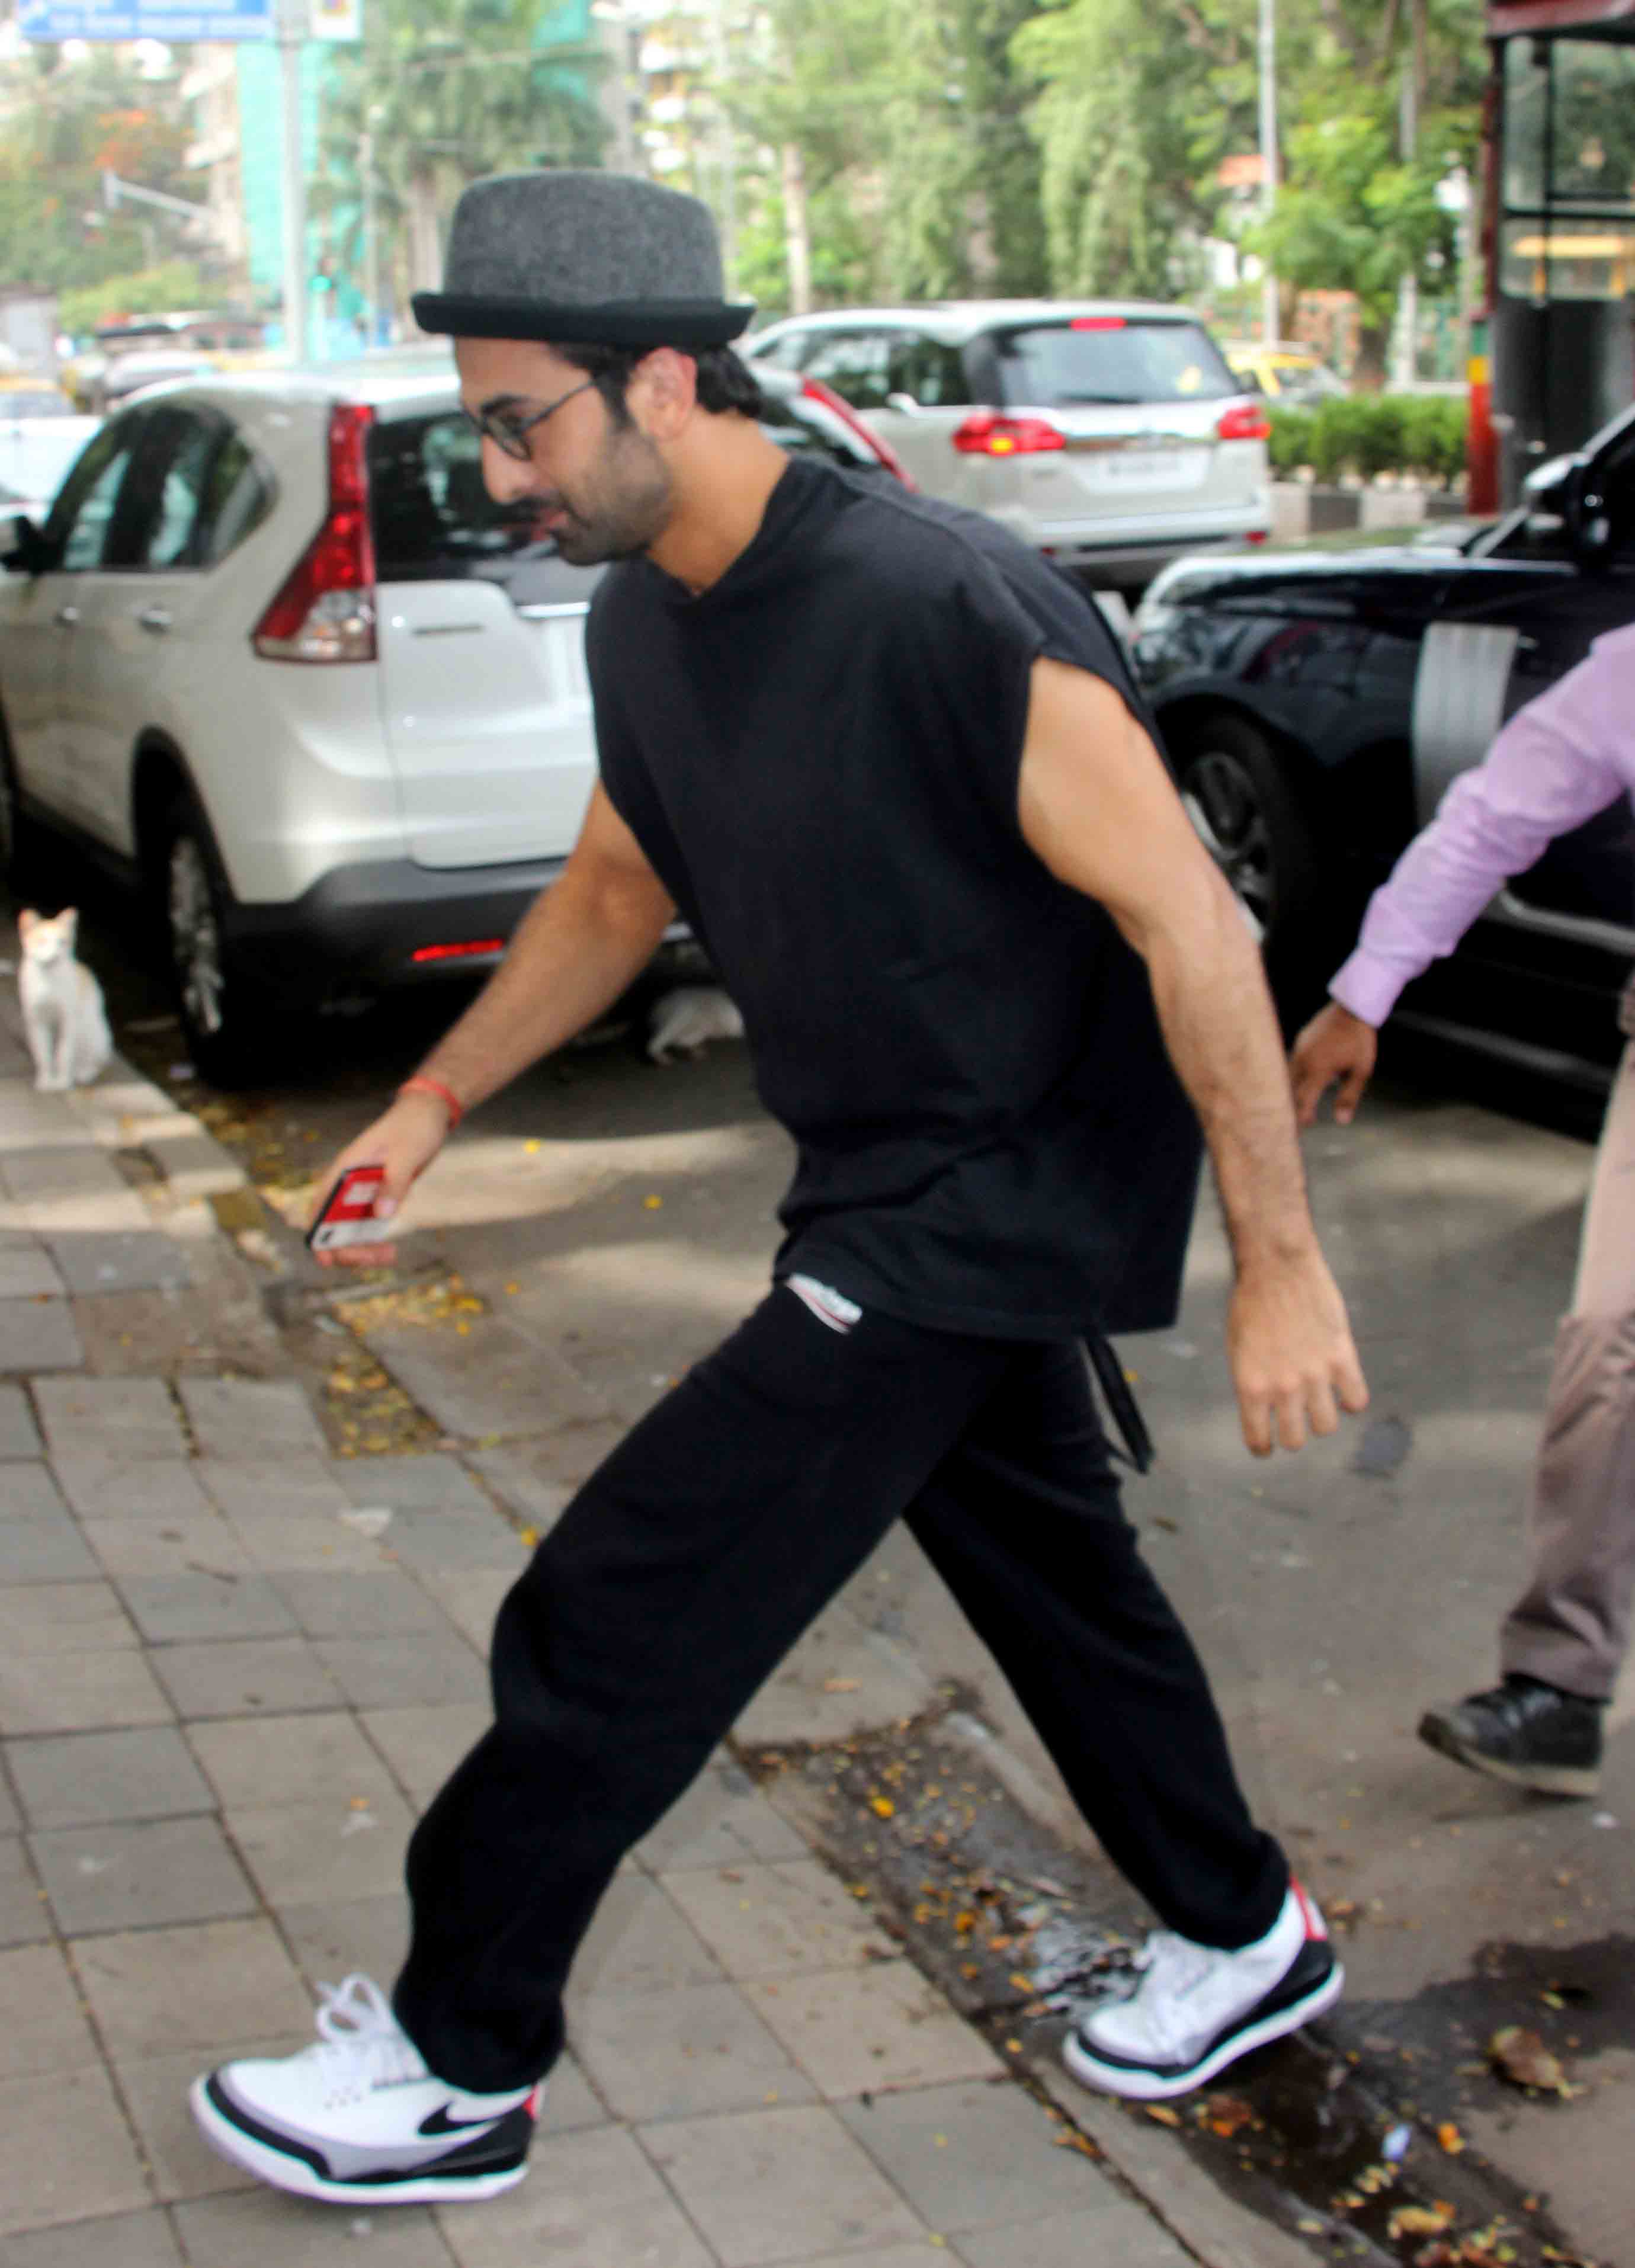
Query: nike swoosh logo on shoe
[440, 2123]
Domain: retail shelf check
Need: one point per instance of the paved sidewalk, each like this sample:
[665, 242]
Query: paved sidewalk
[232, 1670]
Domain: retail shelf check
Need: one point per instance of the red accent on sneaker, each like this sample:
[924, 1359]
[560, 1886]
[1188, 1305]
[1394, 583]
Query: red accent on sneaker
[531, 2106]
[1315, 1926]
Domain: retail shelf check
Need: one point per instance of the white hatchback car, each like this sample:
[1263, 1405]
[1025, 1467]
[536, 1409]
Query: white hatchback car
[278, 659]
[1111, 435]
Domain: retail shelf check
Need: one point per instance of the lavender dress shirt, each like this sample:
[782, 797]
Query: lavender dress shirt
[1559, 761]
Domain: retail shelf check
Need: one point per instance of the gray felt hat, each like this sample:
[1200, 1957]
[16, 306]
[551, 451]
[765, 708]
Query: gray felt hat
[605, 258]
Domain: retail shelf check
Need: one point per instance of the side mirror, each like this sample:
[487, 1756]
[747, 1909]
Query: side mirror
[905, 402]
[1587, 517]
[1546, 496]
[22, 549]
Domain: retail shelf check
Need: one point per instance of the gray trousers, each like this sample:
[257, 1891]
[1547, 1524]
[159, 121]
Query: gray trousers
[1571, 1625]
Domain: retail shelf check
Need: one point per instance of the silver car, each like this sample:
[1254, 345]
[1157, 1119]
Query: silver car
[1111, 435]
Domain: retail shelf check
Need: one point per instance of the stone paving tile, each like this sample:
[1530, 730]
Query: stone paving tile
[10, 1818]
[319, 1853]
[118, 1418]
[280, 1543]
[20, 1436]
[857, 2029]
[80, 1779]
[179, 1610]
[471, 1599]
[675, 2055]
[349, 1605]
[203, 1990]
[433, 1482]
[136, 1875]
[775, 2185]
[591, 2201]
[996, 2162]
[927, 2254]
[37, 1334]
[154, 2091]
[259, 2228]
[79, 1693]
[65, 2150]
[55, 1169]
[29, 1119]
[71, 1618]
[25, 1917]
[273, 1488]
[256, 1418]
[119, 1260]
[1114, 2230]
[237, 1677]
[837, 1678]
[27, 1270]
[720, 1822]
[456, 1541]
[778, 1920]
[568, 2102]
[131, 2240]
[330, 1942]
[256, 1762]
[639, 1941]
[539, 1500]
[44, 2030]
[422, 1746]
[146, 1487]
[28, 1493]
[50, 1550]
[420, 1666]
[202, 1545]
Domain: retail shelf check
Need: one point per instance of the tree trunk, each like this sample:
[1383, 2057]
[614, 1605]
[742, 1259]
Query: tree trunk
[425, 249]
[797, 232]
[1374, 344]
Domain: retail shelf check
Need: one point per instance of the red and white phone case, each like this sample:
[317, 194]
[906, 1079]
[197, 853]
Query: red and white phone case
[348, 1212]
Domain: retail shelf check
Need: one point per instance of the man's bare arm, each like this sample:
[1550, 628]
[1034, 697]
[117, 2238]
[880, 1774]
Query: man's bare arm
[1098, 807]
[575, 951]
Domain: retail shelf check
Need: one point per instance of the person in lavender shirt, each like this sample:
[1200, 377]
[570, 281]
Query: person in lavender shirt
[1559, 761]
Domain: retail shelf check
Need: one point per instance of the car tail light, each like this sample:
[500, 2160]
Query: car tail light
[326, 611]
[1097, 323]
[1245, 421]
[986, 433]
[815, 390]
[1257, 536]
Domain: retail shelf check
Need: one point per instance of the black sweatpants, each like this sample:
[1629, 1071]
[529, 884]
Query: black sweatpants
[686, 1568]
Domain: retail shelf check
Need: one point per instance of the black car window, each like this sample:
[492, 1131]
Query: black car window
[857, 363]
[929, 373]
[785, 353]
[159, 521]
[1110, 358]
[237, 497]
[434, 522]
[77, 528]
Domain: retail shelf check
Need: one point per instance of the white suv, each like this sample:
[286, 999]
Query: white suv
[1111, 435]
[278, 659]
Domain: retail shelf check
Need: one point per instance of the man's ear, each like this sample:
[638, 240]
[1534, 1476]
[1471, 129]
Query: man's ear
[663, 389]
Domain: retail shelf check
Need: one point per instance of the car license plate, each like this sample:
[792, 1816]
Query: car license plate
[1144, 468]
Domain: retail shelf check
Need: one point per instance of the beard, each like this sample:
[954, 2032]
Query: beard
[625, 503]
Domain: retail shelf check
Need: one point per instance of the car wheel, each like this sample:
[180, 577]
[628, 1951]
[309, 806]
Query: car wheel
[223, 1015]
[1250, 822]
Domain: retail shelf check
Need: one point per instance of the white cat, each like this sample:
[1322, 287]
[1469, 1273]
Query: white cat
[62, 1011]
[686, 1019]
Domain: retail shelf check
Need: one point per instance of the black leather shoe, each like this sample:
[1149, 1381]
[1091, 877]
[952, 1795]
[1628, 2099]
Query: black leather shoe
[1529, 1734]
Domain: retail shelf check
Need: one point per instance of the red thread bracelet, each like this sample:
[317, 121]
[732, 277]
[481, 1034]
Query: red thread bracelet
[420, 1084]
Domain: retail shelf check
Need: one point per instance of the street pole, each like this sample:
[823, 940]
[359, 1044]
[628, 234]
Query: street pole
[291, 32]
[1269, 321]
[372, 250]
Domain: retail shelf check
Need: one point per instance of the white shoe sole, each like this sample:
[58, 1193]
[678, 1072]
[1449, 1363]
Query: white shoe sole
[1155, 2086]
[284, 2172]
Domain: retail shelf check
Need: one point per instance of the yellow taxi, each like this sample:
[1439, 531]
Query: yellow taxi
[1295, 377]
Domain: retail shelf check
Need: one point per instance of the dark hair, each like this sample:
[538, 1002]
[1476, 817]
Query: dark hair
[725, 381]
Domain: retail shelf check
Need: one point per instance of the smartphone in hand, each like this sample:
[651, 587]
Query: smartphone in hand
[347, 1214]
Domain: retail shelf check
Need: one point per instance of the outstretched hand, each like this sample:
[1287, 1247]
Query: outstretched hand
[1294, 1362]
[403, 1140]
[1336, 1050]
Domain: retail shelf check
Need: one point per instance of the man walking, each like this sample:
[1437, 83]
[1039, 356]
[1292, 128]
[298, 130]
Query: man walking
[892, 768]
[1559, 761]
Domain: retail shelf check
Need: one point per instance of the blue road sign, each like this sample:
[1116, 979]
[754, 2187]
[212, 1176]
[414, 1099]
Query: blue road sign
[169, 20]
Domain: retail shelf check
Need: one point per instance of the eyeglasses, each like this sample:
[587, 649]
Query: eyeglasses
[510, 433]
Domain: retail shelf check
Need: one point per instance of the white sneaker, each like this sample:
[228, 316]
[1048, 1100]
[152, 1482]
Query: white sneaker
[359, 2120]
[1197, 2009]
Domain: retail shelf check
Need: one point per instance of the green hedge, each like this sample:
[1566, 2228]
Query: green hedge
[1421, 434]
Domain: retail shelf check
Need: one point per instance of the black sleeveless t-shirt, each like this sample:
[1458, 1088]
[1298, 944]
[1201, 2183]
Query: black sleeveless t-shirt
[820, 756]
